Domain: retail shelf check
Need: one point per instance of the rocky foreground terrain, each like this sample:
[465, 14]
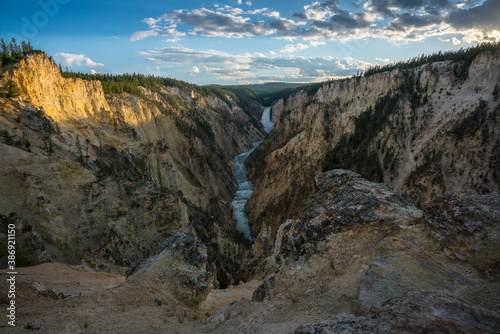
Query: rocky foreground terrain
[123, 220]
[359, 259]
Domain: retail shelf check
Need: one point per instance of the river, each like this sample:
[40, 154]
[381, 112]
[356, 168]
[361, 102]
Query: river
[245, 186]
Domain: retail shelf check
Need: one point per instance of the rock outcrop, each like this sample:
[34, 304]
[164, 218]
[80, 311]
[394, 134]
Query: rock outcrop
[415, 312]
[425, 131]
[180, 270]
[374, 263]
[466, 226]
[335, 236]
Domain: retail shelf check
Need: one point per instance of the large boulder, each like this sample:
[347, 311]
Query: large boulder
[332, 243]
[179, 270]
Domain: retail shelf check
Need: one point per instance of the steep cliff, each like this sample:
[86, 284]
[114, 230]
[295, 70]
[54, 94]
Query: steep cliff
[424, 131]
[109, 177]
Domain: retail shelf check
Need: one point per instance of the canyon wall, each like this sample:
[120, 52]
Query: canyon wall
[424, 131]
[109, 177]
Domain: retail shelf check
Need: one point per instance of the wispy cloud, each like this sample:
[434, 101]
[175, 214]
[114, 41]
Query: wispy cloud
[143, 34]
[289, 48]
[70, 59]
[256, 66]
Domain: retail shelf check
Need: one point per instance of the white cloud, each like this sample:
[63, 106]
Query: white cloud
[90, 63]
[173, 40]
[232, 10]
[317, 43]
[258, 11]
[316, 11]
[273, 14]
[194, 71]
[143, 34]
[289, 48]
[456, 41]
[248, 3]
[496, 35]
[150, 21]
[70, 59]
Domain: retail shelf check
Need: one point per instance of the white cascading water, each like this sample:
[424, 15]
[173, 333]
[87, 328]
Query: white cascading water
[245, 186]
[266, 119]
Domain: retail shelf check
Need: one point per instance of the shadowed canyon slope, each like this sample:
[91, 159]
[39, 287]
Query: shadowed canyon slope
[425, 131]
[109, 177]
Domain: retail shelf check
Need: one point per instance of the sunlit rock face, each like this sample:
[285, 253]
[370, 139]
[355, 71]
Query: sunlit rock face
[109, 177]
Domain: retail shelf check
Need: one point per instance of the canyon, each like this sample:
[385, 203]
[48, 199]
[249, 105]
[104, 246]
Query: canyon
[108, 178]
[375, 204]
[425, 131]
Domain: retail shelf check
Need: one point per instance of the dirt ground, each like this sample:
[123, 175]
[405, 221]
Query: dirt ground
[58, 298]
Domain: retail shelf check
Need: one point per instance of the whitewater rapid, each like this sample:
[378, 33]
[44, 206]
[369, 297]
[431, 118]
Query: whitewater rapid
[245, 186]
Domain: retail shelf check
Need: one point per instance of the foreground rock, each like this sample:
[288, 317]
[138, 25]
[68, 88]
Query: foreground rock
[335, 236]
[180, 270]
[467, 227]
[369, 252]
[400, 266]
[414, 312]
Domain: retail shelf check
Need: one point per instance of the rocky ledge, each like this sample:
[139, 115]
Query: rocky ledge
[414, 312]
[387, 265]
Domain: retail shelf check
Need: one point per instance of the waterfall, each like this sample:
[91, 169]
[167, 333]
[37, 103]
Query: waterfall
[266, 119]
[245, 186]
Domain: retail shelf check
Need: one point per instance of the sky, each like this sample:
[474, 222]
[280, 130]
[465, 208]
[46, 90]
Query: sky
[246, 41]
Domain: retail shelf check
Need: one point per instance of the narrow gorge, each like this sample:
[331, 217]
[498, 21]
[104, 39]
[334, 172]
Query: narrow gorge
[245, 186]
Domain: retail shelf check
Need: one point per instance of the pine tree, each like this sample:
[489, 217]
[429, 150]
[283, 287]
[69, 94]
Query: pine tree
[24, 48]
[13, 48]
[4, 50]
[10, 89]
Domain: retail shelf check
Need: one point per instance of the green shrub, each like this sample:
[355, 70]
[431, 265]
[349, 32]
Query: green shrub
[10, 90]
[9, 140]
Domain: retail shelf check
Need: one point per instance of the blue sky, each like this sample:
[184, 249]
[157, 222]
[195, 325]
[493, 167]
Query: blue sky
[242, 41]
